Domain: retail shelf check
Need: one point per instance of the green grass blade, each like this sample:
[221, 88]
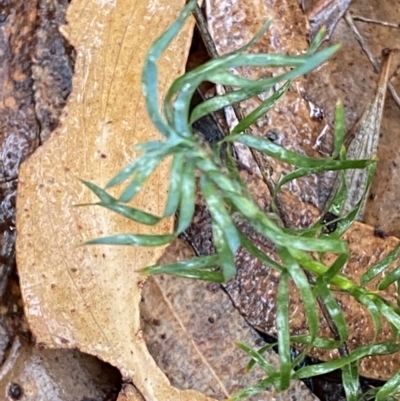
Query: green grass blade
[187, 196]
[318, 342]
[388, 310]
[261, 351]
[132, 213]
[219, 213]
[283, 330]
[300, 279]
[391, 278]
[335, 268]
[256, 37]
[104, 197]
[288, 156]
[127, 171]
[361, 352]
[380, 266]
[350, 380]
[226, 256]
[140, 163]
[174, 193]
[150, 73]
[133, 240]
[261, 110]
[333, 308]
[319, 37]
[258, 358]
[221, 77]
[340, 130]
[257, 253]
[390, 389]
[262, 85]
[202, 268]
[371, 307]
[140, 177]
[269, 229]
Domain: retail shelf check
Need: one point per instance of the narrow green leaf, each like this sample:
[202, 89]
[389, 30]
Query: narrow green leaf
[361, 352]
[222, 77]
[318, 342]
[391, 278]
[319, 37]
[257, 253]
[300, 279]
[390, 388]
[260, 86]
[380, 266]
[174, 192]
[351, 381]
[335, 268]
[226, 256]
[202, 268]
[139, 179]
[258, 358]
[219, 214]
[133, 240]
[333, 308]
[140, 163]
[288, 156]
[150, 74]
[371, 307]
[104, 197]
[283, 330]
[187, 196]
[261, 110]
[387, 310]
[132, 213]
[340, 130]
[265, 348]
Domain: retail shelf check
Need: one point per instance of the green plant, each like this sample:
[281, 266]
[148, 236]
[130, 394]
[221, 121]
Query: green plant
[227, 197]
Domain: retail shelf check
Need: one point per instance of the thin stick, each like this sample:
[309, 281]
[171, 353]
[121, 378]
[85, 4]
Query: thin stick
[367, 50]
[373, 21]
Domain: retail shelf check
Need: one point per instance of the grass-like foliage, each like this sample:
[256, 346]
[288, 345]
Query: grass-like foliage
[226, 195]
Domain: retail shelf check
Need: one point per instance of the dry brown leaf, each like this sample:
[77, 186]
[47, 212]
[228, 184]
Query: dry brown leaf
[55, 375]
[87, 297]
[364, 142]
[191, 327]
[326, 13]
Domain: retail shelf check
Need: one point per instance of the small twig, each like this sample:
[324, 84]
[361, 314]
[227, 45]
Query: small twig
[204, 32]
[367, 50]
[12, 357]
[373, 21]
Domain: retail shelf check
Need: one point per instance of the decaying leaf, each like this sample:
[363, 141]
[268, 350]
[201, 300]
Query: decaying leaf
[364, 141]
[87, 297]
[191, 327]
[55, 375]
[326, 13]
